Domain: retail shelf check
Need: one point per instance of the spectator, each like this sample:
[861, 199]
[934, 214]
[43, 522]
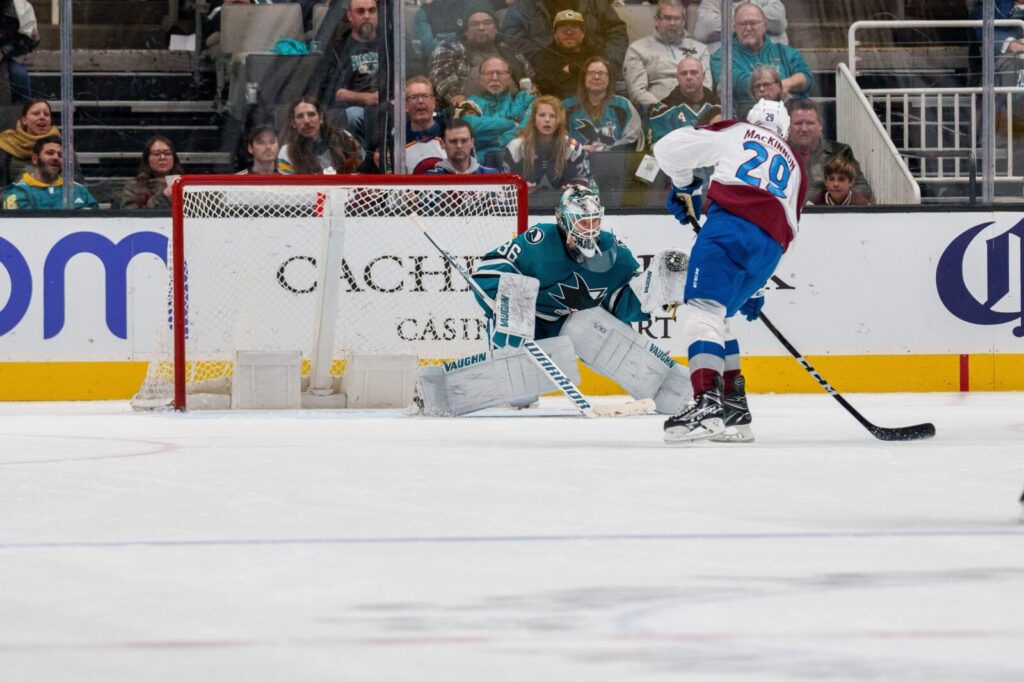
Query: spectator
[437, 21]
[528, 27]
[597, 118]
[543, 154]
[751, 48]
[454, 65]
[1009, 43]
[650, 67]
[839, 176]
[458, 147]
[312, 145]
[498, 114]
[16, 144]
[691, 104]
[350, 88]
[263, 147]
[558, 66]
[424, 129]
[766, 83]
[805, 137]
[19, 35]
[151, 187]
[42, 187]
[709, 21]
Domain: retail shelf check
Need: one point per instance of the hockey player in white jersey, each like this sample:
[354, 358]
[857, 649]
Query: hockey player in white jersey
[573, 287]
[754, 200]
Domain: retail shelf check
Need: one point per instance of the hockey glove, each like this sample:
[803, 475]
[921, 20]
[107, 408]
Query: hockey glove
[685, 203]
[752, 308]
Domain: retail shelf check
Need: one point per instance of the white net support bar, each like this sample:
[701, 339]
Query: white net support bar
[256, 250]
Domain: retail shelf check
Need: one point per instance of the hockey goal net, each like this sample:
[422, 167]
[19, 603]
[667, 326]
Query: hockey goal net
[324, 269]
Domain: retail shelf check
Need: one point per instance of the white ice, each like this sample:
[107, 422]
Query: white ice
[526, 546]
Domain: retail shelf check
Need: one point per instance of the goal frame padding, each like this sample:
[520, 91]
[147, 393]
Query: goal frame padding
[178, 225]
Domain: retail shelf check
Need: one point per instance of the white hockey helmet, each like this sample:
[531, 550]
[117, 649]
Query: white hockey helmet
[580, 216]
[771, 115]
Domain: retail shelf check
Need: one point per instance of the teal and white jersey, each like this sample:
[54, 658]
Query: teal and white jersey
[565, 285]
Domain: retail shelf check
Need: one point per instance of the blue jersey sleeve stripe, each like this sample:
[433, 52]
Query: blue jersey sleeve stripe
[732, 347]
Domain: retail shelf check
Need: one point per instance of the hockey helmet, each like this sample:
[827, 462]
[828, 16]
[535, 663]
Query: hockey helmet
[579, 214]
[771, 115]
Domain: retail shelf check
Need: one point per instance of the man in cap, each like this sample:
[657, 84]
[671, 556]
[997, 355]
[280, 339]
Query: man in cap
[528, 26]
[558, 65]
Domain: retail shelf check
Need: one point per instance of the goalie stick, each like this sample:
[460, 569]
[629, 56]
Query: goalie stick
[915, 432]
[539, 357]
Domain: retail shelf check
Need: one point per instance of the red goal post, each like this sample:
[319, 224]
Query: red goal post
[248, 262]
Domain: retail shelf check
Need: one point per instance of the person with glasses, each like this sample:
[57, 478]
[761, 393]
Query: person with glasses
[650, 66]
[751, 48]
[424, 129]
[151, 186]
[558, 65]
[691, 104]
[766, 83]
[454, 64]
[708, 28]
[529, 25]
[597, 118]
[499, 113]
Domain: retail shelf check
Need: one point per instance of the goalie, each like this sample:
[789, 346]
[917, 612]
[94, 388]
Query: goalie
[573, 287]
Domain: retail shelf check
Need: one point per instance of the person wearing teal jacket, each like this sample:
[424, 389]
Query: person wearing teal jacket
[43, 187]
[751, 49]
[498, 115]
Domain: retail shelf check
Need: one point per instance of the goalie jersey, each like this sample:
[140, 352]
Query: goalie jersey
[565, 285]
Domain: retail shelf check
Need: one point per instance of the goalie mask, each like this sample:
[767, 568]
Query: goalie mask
[579, 216]
[770, 115]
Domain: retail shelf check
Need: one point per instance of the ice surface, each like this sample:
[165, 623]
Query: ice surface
[511, 546]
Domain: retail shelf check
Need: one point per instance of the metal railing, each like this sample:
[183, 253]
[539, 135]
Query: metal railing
[880, 160]
[938, 119]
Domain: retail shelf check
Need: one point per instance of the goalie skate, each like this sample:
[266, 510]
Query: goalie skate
[736, 415]
[701, 419]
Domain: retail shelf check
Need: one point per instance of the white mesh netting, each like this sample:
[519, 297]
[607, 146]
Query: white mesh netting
[252, 253]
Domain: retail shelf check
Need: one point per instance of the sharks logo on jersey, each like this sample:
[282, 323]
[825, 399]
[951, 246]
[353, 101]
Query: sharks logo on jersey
[579, 297]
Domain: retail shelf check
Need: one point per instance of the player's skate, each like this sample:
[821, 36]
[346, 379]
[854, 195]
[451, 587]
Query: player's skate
[701, 419]
[736, 414]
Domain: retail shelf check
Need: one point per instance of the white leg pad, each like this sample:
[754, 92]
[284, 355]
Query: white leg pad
[614, 349]
[506, 375]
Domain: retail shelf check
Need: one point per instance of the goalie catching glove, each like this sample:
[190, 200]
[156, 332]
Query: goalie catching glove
[685, 203]
[515, 309]
[659, 288]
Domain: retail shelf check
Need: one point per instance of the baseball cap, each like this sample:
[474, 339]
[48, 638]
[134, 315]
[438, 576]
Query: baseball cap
[568, 16]
[257, 129]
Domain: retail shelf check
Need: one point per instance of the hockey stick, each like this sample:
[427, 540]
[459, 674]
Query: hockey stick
[536, 353]
[915, 432]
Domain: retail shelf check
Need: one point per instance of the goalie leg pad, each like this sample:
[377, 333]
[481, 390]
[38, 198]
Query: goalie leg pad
[614, 349]
[487, 379]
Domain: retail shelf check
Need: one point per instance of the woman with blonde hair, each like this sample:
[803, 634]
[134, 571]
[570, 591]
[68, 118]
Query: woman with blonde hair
[543, 154]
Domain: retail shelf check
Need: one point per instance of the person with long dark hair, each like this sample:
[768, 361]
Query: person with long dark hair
[312, 145]
[596, 117]
[16, 144]
[150, 187]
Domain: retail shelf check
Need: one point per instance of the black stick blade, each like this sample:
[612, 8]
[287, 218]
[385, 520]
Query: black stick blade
[916, 432]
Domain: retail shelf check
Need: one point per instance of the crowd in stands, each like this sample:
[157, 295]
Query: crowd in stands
[549, 89]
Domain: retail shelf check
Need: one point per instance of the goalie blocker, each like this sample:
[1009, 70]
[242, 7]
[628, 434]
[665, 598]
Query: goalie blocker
[606, 344]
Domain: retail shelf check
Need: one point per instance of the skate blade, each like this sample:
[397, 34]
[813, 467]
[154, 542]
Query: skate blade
[741, 433]
[709, 428]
